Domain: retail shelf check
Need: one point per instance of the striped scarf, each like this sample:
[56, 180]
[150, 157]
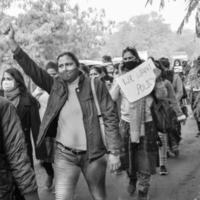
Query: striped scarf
[137, 124]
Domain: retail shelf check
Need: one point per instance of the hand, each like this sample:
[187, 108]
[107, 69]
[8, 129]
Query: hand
[10, 35]
[120, 68]
[114, 162]
[9, 32]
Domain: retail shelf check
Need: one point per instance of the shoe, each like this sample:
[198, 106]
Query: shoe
[131, 188]
[142, 195]
[176, 153]
[163, 170]
[170, 154]
[181, 118]
[49, 182]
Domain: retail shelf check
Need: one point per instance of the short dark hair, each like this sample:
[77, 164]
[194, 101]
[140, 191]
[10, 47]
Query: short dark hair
[98, 69]
[84, 68]
[165, 62]
[51, 65]
[71, 55]
[133, 51]
[177, 60]
[106, 58]
[103, 69]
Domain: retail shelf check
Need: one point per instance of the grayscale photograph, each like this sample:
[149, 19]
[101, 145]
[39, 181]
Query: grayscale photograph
[100, 100]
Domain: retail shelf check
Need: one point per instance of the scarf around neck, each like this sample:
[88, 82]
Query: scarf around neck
[137, 124]
[13, 96]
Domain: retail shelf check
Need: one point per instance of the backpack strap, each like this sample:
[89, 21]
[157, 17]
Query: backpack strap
[101, 122]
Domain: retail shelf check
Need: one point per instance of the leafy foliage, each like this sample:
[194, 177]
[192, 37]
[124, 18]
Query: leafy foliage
[191, 7]
[50, 27]
[150, 33]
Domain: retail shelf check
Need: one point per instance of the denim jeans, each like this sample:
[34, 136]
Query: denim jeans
[68, 167]
[163, 149]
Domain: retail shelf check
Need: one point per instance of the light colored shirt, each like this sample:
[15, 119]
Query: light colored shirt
[115, 93]
[126, 106]
[42, 97]
[71, 131]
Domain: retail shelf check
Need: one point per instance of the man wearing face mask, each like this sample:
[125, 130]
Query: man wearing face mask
[71, 119]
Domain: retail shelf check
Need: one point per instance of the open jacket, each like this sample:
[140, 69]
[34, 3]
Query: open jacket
[15, 166]
[28, 112]
[58, 90]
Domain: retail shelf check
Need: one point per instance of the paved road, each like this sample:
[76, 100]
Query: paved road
[182, 183]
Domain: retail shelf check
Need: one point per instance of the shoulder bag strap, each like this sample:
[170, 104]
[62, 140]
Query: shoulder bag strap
[101, 122]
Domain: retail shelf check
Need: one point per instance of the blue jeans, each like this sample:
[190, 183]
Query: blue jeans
[68, 167]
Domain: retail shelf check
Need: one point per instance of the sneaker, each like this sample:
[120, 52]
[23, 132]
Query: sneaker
[181, 118]
[142, 196]
[176, 153]
[170, 154]
[131, 188]
[163, 170]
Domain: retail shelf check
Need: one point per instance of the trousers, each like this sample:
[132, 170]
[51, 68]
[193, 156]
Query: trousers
[68, 167]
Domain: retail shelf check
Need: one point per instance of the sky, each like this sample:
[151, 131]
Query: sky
[121, 10]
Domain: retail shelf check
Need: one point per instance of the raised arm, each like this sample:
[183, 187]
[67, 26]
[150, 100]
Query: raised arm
[37, 74]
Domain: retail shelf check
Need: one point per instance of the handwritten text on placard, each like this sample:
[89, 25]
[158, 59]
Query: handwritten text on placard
[139, 82]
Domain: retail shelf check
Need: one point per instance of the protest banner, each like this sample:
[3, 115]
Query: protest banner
[139, 82]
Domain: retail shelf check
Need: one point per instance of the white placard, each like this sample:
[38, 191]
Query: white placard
[139, 82]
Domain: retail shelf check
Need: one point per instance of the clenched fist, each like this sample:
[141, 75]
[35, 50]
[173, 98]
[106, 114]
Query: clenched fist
[9, 32]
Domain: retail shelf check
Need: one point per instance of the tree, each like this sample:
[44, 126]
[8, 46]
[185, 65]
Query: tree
[152, 34]
[49, 27]
[193, 5]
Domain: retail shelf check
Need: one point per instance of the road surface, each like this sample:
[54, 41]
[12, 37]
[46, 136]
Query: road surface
[182, 183]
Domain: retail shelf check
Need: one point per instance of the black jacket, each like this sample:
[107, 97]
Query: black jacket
[58, 90]
[14, 163]
[28, 112]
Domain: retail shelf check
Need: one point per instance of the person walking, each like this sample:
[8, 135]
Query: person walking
[15, 90]
[71, 122]
[15, 165]
[164, 91]
[42, 97]
[138, 132]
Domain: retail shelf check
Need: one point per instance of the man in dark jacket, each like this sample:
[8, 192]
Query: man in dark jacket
[15, 166]
[71, 119]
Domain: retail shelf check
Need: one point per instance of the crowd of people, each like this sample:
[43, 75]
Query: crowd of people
[62, 118]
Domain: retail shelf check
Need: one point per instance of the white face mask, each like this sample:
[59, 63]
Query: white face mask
[8, 85]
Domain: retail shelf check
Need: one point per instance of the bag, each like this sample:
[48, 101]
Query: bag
[164, 116]
[160, 90]
[185, 96]
[101, 122]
